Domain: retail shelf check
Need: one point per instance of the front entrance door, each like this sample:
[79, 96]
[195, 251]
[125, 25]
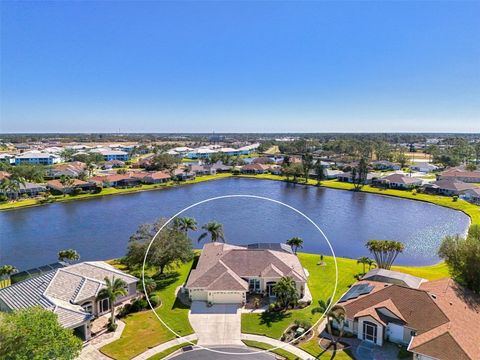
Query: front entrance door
[370, 332]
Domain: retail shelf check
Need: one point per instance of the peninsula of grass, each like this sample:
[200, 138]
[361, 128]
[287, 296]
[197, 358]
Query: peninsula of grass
[110, 191]
[143, 330]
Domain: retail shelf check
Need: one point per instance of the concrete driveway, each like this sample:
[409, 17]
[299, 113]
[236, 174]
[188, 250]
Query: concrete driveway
[216, 325]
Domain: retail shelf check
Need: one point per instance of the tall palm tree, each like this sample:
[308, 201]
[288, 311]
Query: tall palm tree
[13, 185]
[286, 292]
[385, 251]
[185, 224]
[215, 230]
[295, 243]
[66, 182]
[68, 255]
[364, 261]
[113, 289]
[336, 312]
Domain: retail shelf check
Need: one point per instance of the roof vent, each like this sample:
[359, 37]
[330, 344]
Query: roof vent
[433, 296]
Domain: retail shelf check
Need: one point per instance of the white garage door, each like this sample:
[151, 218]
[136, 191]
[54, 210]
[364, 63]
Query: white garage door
[395, 333]
[221, 297]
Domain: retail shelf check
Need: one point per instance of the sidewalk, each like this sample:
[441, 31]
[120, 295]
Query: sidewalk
[91, 352]
[280, 344]
[165, 346]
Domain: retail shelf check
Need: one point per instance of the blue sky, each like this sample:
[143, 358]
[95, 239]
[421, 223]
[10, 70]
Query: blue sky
[239, 66]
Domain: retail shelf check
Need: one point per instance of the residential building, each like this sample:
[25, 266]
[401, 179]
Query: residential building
[116, 180]
[460, 174]
[184, 174]
[384, 165]
[156, 177]
[113, 164]
[37, 158]
[434, 319]
[448, 187]
[57, 186]
[399, 181]
[254, 169]
[72, 169]
[472, 195]
[219, 167]
[200, 170]
[109, 154]
[70, 292]
[347, 177]
[424, 167]
[226, 273]
[7, 159]
[31, 189]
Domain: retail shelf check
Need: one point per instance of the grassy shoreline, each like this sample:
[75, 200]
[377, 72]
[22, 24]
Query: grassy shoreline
[471, 210]
[111, 191]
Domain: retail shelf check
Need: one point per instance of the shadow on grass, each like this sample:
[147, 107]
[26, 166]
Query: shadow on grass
[179, 305]
[165, 280]
[269, 317]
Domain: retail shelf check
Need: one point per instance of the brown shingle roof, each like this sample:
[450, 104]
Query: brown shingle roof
[462, 307]
[415, 306]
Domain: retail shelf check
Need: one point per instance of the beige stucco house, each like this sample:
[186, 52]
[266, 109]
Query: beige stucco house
[70, 292]
[227, 273]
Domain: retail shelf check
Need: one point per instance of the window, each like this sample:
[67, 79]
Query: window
[254, 285]
[103, 305]
[88, 307]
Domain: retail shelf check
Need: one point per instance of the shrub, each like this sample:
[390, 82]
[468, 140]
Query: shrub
[403, 353]
[303, 324]
[24, 196]
[125, 310]
[155, 301]
[138, 305]
[3, 198]
[111, 326]
[455, 198]
[414, 192]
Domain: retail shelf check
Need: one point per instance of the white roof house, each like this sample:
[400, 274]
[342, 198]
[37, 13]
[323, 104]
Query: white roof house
[70, 292]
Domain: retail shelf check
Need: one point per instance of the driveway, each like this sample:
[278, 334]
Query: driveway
[218, 324]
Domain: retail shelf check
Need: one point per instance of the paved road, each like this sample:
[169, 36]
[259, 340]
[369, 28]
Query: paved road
[216, 325]
[210, 355]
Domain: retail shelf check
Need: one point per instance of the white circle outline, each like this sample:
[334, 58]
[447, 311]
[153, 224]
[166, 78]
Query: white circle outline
[240, 196]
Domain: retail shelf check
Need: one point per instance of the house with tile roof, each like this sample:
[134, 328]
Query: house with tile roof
[226, 273]
[399, 181]
[70, 292]
[434, 319]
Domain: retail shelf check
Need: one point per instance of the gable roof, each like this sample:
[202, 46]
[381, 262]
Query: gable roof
[401, 179]
[460, 335]
[224, 266]
[62, 290]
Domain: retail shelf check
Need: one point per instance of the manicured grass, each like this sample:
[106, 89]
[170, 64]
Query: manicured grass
[289, 356]
[143, 330]
[321, 283]
[111, 191]
[169, 351]
[262, 346]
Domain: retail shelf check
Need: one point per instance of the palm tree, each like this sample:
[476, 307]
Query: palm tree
[13, 185]
[6, 271]
[336, 312]
[364, 261]
[66, 182]
[385, 251]
[185, 224]
[113, 289]
[286, 292]
[295, 243]
[150, 285]
[68, 255]
[371, 263]
[215, 230]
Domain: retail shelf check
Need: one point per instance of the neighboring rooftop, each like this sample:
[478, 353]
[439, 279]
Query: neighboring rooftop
[393, 277]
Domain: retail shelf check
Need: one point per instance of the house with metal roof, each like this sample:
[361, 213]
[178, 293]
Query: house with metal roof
[70, 292]
[226, 273]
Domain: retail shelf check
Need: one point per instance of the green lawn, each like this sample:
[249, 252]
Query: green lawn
[111, 191]
[143, 330]
[169, 351]
[321, 284]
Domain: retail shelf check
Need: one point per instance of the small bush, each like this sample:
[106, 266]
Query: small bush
[303, 324]
[455, 198]
[111, 326]
[139, 305]
[3, 198]
[155, 300]
[125, 310]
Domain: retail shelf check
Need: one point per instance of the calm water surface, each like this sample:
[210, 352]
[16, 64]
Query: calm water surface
[100, 228]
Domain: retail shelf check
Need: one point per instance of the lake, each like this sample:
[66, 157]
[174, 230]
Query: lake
[100, 228]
